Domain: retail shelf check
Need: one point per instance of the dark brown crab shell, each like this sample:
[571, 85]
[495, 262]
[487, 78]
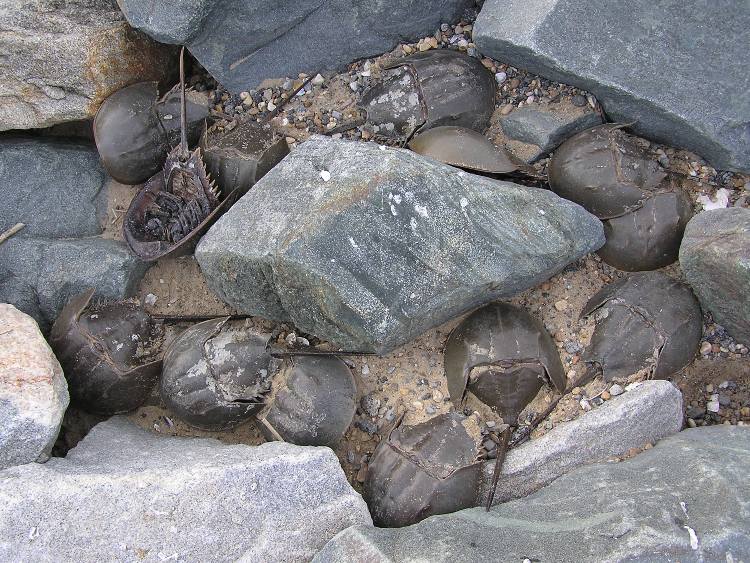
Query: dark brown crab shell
[647, 238]
[430, 89]
[605, 171]
[312, 402]
[419, 471]
[464, 148]
[512, 355]
[216, 374]
[134, 130]
[97, 353]
[653, 322]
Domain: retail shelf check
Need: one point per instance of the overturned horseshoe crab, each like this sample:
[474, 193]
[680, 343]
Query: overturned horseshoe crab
[102, 352]
[430, 468]
[134, 130]
[501, 355]
[429, 89]
[644, 209]
[312, 402]
[646, 321]
[216, 374]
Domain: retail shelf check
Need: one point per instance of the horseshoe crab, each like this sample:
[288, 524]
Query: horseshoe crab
[216, 374]
[312, 402]
[646, 321]
[429, 89]
[501, 355]
[644, 209]
[134, 130]
[102, 352]
[426, 469]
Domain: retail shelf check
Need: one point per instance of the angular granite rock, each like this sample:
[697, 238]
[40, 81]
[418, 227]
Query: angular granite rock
[62, 59]
[33, 391]
[658, 64]
[124, 494]
[646, 414]
[715, 257]
[688, 499]
[243, 42]
[368, 246]
[55, 187]
[21, 294]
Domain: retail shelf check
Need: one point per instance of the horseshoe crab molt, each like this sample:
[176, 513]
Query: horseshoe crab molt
[134, 130]
[429, 89]
[216, 374]
[103, 352]
[312, 402]
[426, 469]
[501, 355]
[645, 321]
[644, 209]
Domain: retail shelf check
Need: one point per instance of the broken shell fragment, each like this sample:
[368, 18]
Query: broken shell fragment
[501, 355]
[103, 352]
[645, 321]
[134, 130]
[237, 159]
[429, 89]
[423, 470]
[312, 402]
[647, 238]
[216, 374]
[464, 148]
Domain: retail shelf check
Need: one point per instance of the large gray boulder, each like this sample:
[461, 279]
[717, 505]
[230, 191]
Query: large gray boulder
[715, 257]
[243, 42]
[644, 415]
[124, 494]
[368, 246]
[688, 499]
[62, 59]
[33, 391]
[674, 68]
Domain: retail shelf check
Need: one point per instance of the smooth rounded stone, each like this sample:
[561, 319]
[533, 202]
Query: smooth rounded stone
[63, 59]
[33, 391]
[687, 499]
[55, 187]
[647, 86]
[392, 245]
[125, 494]
[714, 257]
[243, 43]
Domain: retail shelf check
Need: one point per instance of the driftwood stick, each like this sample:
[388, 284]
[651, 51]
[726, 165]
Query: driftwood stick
[10, 232]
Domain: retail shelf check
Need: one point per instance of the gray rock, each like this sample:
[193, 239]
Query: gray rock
[124, 494]
[668, 85]
[62, 59]
[389, 246]
[242, 43]
[55, 188]
[688, 499]
[714, 257]
[60, 268]
[20, 294]
[33, 391]
[650, 412]
[534, 131]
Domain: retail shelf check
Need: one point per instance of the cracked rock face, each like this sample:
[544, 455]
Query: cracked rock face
[368, 247]
[62, 59]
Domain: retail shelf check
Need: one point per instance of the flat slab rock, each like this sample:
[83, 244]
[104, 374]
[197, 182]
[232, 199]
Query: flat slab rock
[242, 42]
[715, 257]
[367, 246]
[657, 64]
[645, 414]
[33, 391]
[62, 59]
[124, 494]
[687, 499]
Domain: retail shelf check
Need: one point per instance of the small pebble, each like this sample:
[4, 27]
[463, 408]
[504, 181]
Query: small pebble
[705, 348]
[430, 410]
[369, 405]
[150, 299]
[579, 101]
[616, 390]
[417, 405]
[709, 388]
[501, 77]
[325, 174]
[318, 80]
[585, 405]
[712, 406]
[691, 423]
[561, 305]
[605, 395]
[365, 370]
[576, 391]
[507, 108]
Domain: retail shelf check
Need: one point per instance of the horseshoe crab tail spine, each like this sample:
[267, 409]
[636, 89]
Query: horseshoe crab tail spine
[183, 112]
